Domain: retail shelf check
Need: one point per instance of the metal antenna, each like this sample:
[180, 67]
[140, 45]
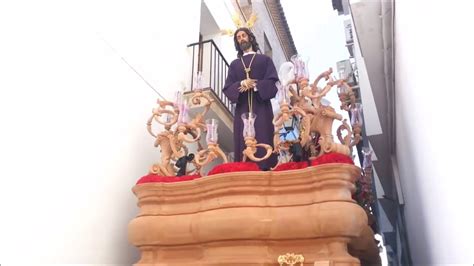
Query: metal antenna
[134, 70]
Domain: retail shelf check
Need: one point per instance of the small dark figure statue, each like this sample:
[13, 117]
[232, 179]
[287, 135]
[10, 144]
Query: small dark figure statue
[182, 162]
[297, 151]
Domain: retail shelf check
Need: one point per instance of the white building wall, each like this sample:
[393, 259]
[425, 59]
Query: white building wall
[265, 26]
[372, 121]
[222, 11]
[73, 116]
[434, 96]
[225, 43]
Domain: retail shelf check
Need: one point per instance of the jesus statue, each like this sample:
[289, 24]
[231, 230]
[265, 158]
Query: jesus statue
[250, 84]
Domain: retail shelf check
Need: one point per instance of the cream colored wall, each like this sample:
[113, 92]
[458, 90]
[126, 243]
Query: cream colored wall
[433, 59]
[73, 116]
[222, 11]
[264, 26]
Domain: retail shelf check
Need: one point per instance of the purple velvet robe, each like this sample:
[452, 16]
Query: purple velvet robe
[263, 70]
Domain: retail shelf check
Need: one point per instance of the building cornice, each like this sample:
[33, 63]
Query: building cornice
[282, 29]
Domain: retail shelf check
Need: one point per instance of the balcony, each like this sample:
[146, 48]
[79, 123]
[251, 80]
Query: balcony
[208, 59]
[347, 71]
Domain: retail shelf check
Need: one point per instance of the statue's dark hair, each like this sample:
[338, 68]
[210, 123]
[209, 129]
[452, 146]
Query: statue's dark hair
[252, 40]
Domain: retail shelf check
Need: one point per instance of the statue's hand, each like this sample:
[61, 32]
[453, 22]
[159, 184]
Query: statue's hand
[251, 83]
[247, 84]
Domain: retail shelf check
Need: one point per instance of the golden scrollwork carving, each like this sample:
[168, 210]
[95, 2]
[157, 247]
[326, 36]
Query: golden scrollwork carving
[317, 116]
[291, 259]
[177, 134]
[208, 155]
[251, 149]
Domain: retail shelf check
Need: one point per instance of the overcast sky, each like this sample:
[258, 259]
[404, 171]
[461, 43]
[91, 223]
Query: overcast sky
[318, 32]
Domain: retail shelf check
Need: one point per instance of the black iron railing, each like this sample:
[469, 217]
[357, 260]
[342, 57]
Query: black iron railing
[208, 59]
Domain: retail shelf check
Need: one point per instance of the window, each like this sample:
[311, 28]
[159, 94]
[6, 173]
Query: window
[267, 48]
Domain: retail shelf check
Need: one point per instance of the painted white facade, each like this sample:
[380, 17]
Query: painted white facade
[222, 12]
[265, 27]
[372, 121]
[431, 156]
[433, 58]
[73, 116]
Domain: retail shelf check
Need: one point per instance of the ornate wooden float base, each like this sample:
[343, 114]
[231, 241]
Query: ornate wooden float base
[251, 218]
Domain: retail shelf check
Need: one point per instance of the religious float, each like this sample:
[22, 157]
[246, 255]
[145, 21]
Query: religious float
[306, 211]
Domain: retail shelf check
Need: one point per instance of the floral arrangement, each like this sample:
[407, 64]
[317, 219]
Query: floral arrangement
[234, 167]
[153, 178]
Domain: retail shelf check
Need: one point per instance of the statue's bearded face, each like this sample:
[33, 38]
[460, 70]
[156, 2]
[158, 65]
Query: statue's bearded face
[244, 40]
